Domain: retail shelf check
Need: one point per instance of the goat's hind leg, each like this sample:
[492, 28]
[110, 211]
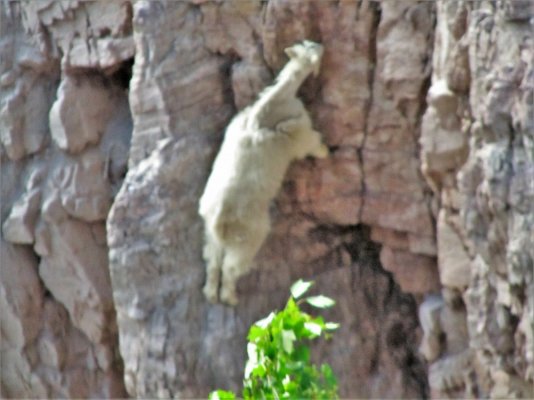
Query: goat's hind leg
[238, 260]
[213, 256]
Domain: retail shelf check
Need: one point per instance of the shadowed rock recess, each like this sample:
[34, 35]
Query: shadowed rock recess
[419, 224]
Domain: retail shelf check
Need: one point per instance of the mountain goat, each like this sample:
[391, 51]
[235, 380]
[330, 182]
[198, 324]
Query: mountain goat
[260, 143]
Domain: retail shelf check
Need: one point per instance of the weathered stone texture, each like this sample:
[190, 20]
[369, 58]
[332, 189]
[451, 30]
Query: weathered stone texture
[65, 130]
[428, 110]
[478, 156]
[196, 64]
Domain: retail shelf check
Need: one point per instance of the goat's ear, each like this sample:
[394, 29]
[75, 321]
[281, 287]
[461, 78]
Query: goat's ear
[290, 52]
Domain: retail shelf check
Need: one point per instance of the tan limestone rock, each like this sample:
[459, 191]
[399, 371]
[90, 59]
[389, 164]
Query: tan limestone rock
[75, 272]
[453, 261]
[19, 226]
[21, 297]
[414, 273]
[79, 116]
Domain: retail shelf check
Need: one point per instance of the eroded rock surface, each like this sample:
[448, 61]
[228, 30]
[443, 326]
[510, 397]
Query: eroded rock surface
[336, 220]
[426, 200]
[478, 156]
[65, 130]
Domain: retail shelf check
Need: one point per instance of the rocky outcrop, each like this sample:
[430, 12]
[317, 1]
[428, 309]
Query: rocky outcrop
[478, 156]
[65, 135]
[426, 201]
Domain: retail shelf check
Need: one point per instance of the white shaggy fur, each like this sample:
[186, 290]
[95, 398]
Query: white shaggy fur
[260, 143]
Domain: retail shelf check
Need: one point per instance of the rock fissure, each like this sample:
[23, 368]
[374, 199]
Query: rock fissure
[372, 60]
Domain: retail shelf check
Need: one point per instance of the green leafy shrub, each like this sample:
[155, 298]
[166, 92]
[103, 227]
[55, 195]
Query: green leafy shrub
[278, 365]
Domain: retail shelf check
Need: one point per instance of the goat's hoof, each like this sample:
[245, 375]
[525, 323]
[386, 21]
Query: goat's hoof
[229, 297]
[322, 152]
[211, 295]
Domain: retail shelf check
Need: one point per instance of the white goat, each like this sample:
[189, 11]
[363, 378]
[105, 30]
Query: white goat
[260, 143]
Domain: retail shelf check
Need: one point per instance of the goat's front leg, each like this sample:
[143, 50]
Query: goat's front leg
[289, 125]
[318, 149]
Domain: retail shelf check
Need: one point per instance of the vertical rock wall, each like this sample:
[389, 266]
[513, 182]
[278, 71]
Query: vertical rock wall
[345, 221]
[478, 156]
[427, 198]
[65, 127]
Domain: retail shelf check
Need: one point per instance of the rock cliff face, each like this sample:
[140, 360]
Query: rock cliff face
[65, 131]
[111, 114]
[478, 156]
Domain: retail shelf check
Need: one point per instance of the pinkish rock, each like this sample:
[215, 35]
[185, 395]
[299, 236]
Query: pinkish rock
[414, 273]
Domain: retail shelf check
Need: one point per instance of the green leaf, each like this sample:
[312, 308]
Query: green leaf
[328, 375]
[313, 328]
[299, 288]
[221, 395]
[259, 371]
[302, 354]
[319, 321]
[256, 332]
[320, 301]
[291, 307]
[252, 361]
[331, 326]
[288, 337]
[264, 323]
